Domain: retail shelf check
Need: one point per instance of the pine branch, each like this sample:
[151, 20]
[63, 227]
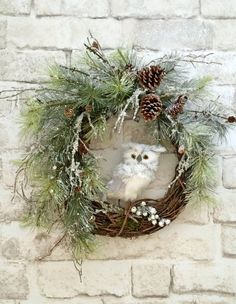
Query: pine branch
[74, 69]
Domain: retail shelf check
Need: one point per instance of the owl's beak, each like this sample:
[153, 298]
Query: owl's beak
[139, 158]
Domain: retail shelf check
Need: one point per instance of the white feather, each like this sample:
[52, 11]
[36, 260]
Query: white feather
[135, 173]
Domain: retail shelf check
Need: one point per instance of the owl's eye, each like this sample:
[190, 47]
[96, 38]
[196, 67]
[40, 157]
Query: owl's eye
[133, 156]
[145, 156]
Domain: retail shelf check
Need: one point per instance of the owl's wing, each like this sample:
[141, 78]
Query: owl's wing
[116, 188]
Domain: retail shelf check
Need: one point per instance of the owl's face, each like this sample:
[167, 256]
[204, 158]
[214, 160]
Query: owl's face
[139, 154]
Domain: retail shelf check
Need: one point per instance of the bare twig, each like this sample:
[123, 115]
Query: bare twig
[125, 220]
[58, 241]
[74, 70]
[206, 113]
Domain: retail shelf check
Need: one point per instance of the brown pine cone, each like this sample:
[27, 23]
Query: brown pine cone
[178, 106]
[151, 107]
[69, 112]
[150, 77]
[88, 108]
[231, 119]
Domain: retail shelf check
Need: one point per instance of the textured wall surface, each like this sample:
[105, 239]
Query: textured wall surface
[193, 261]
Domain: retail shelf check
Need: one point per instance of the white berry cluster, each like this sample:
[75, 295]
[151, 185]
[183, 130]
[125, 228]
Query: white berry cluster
[150, 213]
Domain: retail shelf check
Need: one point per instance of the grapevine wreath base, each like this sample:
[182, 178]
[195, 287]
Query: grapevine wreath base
[63, 117]
[144, 216]
[124, 224]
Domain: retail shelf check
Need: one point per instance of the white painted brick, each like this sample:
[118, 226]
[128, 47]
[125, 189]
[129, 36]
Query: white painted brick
[194, 214]
[3, 27]
[44, 33]
[28, 65]
[218, 8]
[226, 94]
[10, 210]
[13, 282]
[227, 147]
[229, 172]
[150, 279]
[77, 300]
[134, 300]
[9, 167]
[200, 277]
[9, 132]
[15, 7]
[224, 34]
[185, 241]
[225, 210]
[10, 249]
[174, 299]
[229, 240]
[3, 136]
[61, 279]
[41, 33]
[86, 8]
[48, 8]
[204, 299]
[23, 243]
[82, 8]
[223, 71]
[169, 34]
[10, 109]
[155, 8]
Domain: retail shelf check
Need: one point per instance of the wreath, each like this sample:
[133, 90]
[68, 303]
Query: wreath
[64, 116]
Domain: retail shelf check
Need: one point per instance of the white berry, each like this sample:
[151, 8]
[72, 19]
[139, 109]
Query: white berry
[157, 216]
[133, 209]
[153, 210]
[143, 203]
[145, 213]
[138, 212]
[161, 223]
[167, 222]
[154, 222]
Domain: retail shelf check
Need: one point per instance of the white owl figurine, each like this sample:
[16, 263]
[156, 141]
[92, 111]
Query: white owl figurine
[135, 173]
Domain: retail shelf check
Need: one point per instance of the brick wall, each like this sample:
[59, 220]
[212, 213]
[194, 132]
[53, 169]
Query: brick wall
[191, 261]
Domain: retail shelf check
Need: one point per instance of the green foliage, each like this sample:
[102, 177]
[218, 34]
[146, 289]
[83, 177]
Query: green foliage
[31, 118]
[65, 181]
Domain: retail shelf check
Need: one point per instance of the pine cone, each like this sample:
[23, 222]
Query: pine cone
[129, 67]
[78, 189]
[69, 112]
[150, 77]
[95, 45]
[231, 119]
[151, 107]
[177, 107]
[88, 108]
